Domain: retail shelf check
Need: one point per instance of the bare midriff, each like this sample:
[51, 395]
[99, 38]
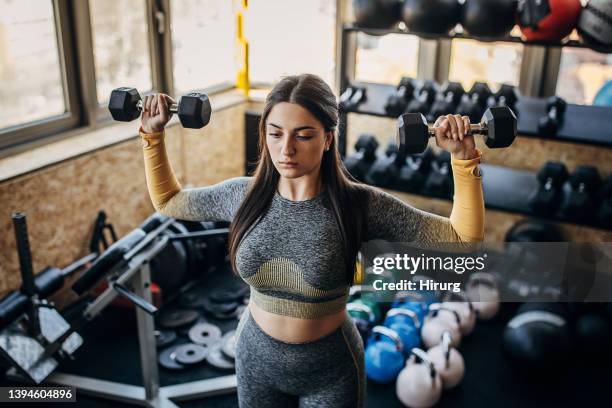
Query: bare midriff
[295, 330]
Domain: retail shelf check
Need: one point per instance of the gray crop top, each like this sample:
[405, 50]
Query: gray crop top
[292, 258]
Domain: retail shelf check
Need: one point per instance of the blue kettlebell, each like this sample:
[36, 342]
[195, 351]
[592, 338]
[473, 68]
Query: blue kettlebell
[384, 355]
[407, 324]
[418, 307]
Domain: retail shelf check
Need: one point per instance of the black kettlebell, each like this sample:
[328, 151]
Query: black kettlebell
[431, 16]
[489, 18]
[382, 14]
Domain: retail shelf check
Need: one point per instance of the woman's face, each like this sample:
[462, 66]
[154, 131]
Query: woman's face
[296, 140]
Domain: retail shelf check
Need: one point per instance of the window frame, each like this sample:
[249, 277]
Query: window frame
[13, 136]
[75, 48]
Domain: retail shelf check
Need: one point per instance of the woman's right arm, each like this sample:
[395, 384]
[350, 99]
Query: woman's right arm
[218, 202]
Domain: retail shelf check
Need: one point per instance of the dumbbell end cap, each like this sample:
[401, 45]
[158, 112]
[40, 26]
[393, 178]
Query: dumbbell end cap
[123, 104]
[413, 133]
[194, 110]
[501, 126]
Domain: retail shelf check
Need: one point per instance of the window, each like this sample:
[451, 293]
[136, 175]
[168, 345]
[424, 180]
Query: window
[582, 73]
[31, 86]
[495, 63]
[203, 44]
[120, 46]
[288, 37]
[386, 59]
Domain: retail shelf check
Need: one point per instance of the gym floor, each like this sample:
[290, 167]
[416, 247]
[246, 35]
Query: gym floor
[110, 351]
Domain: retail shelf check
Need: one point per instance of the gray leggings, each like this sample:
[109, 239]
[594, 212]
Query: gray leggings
[328, 372]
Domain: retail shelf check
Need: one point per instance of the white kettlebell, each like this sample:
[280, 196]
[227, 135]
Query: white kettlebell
[466, 311]
[483, 292]
[448, 361]
[438, 320]
[418, 384]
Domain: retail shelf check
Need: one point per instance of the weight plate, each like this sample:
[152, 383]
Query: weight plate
[204, 334]
[193, 300]
[228, 345]
[164, 338]
[228, 295]
[219, 308]
[190, 353]
[167, 359]
[174, 318]
[216, 358]
[185, 330]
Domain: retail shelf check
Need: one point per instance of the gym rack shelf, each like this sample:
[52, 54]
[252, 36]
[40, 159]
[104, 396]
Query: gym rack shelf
[592, 128]
[505, 188]
[462, 36]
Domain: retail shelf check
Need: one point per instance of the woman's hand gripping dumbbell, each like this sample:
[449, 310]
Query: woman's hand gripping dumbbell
[454, 133]
[126, 105]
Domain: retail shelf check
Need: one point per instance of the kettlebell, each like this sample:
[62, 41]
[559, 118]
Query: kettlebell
[364, 295]
[407, 324]
[419, 384]
[483, 292]
[409, 302]
[466, 311]
[448, 361]
[439, 320]
[384, 355]
[363, 317]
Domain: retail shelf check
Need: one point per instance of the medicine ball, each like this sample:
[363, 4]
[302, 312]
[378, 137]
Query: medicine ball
[538, 337]
[595, 24]
[489, 18]
[548, 20]
[431, 16]
[383, 14]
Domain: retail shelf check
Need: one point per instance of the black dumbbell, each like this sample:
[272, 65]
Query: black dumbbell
[413, 173]
[397, 101]
[497, 126]
[604, 197]
[474, 103]
[439, 182]
[424, 96]
[193, 109]
[360, 162]
[579, 194]
[446, 101]
[351, 98]
[547, 198]
[385, 169]
[507, 95]
[555, 109]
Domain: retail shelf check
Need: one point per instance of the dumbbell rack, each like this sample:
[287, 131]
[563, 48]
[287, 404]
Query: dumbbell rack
[511, 194]
[592, 128]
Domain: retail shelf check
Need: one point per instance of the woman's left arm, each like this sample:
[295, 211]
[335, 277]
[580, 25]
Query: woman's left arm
[393, 220]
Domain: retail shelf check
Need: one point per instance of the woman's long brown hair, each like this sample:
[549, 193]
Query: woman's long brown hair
[348, 201]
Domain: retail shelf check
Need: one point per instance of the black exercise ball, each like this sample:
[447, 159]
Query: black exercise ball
[594, 334]
[383, 14]
[538, 338]
[489, 18]
[431, 16]
[595, 24]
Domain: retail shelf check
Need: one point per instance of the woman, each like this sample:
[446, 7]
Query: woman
[297, 225]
